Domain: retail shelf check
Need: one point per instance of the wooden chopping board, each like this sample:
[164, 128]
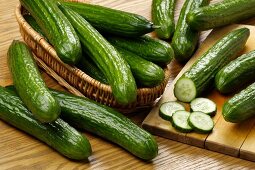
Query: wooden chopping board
[228, 138]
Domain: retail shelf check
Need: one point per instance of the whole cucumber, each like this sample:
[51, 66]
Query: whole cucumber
[236, 74]
[29, 83]
[56, 28]
[58, 135]
[220, 14]
[106, 57]
[163, 16]
[111, 20]
[185, 39]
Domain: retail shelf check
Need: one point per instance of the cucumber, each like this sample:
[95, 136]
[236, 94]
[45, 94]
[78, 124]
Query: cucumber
[150, 49]
[241, 106]
[180, 121]
[29, 83]
[90, 68]
[163, 16]
[146, 73]
[203, 105]
[31, 21]
[56, 27]
[111, 20]
[106, 57]
[220, 14]
[200, 76]
[107, 123]
[58, 135]
[201, 122]
[236, 74]
[185, 39]
[167, 109]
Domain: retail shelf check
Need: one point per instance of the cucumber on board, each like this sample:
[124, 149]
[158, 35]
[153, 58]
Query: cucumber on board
[106, 57]
[220, 14]
[240, 107]
[56, 28]
[111, 20]
[29, 83]
[204, 105]
[236, 74]
[58, 134]
[180, 121]
[185, 39]
[201, 122]
[200, 76]
[167, 109]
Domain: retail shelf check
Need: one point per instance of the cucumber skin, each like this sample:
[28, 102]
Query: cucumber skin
[236, 74]
[145, 72]
[103, 121]
[111, 20]
[58, 135]
[204, 70]
[150, 49]
[185, 39]
[241, 106]
[57, 29]
[163, 16]
[106, 57]
[220, 14]
[29, 83]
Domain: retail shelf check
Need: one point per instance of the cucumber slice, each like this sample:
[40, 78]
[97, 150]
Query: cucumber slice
[201, 122]
[167, 109]
[185, 89]
[203, 105]
[180, 121]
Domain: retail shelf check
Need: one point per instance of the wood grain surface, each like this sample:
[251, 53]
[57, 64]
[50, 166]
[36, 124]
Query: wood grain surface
[21, 151]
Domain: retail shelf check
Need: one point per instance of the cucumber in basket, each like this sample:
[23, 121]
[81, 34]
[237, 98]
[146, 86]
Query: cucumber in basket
[150, 49]
[200, 76]
[222, 13]
[185, 39]
[58, 135]
[29, 83]
[106, 57]
[241, 106]
[163, 16]
[111, 20]
[56, 27]
[236, 74]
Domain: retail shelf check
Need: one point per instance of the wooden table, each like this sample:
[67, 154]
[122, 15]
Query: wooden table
[21, 151]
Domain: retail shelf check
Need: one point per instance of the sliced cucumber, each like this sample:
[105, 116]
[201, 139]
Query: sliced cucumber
[201, 122]
[203, 105]
[180, 121]
[185, 89]
[167, 109]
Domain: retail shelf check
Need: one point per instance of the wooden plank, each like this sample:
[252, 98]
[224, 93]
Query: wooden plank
[247, 150]
[217, 140]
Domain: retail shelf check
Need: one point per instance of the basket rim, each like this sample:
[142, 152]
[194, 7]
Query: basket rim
[107, 88]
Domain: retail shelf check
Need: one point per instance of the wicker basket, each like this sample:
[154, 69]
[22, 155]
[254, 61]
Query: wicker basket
[75, 80]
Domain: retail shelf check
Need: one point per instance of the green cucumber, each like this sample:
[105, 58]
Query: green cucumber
[107, 123]
[180, 121]
[150, 49]
[106, 57]
[56, 27]
[145, 72]
[185, 39]
[111, 20]
[204, 105]
[220, 14]
[167, 109]
[200, 76]
[240, 107]
[236, 74]
[163, 16]
[201, 122]
[58, 135]
[29, 83]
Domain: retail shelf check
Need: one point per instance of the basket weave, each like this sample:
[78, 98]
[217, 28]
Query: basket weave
[75, 80]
